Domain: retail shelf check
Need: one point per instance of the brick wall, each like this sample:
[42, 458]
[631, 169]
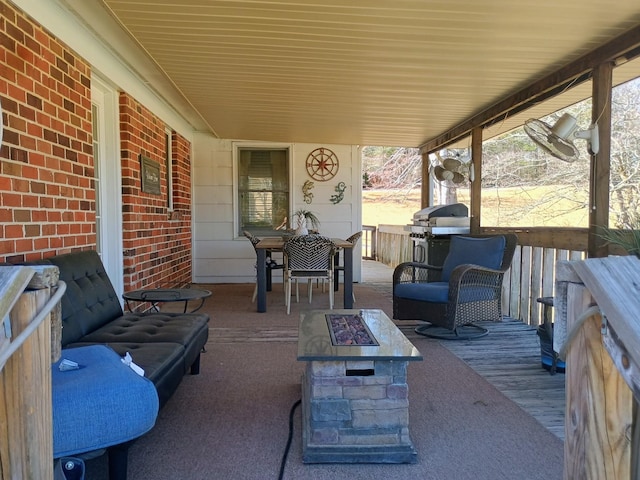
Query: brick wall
[157, 242]
[47, 195]
[47, 188]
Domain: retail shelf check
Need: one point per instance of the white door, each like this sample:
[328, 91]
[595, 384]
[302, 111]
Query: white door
[106, 148]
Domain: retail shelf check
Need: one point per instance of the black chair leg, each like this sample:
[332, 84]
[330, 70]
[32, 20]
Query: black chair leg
[195, 366]
[118, 461]
[269, 279]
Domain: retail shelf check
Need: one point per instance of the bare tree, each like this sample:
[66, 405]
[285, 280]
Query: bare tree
[625, 159]
[398, 169]
[513, 161]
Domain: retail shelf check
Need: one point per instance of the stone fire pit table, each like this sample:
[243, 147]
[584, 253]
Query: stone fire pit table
[355, 397]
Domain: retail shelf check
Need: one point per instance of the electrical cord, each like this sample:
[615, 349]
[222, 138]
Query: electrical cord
[286, 450]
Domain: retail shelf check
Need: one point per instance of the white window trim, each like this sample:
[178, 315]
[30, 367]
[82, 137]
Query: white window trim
[106, 97]
[236, 146]
[169, 165]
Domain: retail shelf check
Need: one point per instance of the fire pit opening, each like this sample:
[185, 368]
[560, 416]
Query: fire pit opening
[362, 372]
[349, 329]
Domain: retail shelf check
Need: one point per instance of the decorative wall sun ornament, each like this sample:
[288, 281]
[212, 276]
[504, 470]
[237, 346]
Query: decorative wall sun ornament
[322, 164]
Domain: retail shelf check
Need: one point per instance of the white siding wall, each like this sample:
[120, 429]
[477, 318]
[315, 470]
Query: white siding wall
[220, 256]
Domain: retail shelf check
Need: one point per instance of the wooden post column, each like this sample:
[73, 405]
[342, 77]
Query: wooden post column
[475, 187]
[26, 436]
[602, 368]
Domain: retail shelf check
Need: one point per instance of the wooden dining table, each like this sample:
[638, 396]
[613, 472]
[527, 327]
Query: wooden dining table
[276, 244]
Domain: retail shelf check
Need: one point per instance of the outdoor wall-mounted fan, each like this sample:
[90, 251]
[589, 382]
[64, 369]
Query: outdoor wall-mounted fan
[453, 170]
[558, 139]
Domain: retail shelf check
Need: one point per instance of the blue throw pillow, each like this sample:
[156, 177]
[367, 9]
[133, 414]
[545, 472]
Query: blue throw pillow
[486, 252]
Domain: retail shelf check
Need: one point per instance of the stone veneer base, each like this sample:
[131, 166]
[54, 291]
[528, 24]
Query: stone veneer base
[329, 417]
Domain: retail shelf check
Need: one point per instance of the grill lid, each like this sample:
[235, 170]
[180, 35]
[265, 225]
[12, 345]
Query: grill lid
[452, 210]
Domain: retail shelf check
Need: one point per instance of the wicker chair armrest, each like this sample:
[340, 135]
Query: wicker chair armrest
[415, 272]
[469, 275]
[468, 268]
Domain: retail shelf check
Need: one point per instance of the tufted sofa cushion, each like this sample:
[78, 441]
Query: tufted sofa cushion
[90, 300]
[163, 363]
[189, 330]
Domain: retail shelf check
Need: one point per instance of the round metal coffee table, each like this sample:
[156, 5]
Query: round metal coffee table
[162, 295]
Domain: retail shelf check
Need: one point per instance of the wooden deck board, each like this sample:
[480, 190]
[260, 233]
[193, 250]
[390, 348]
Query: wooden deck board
[509, 359]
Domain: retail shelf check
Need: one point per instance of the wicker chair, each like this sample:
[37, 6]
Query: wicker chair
[310, 257]
[467, 289]
[271, 265]
[337, 267]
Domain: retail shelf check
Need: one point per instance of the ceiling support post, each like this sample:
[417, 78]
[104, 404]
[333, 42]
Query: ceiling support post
[600, 163]
[426, 189]
[475, 187]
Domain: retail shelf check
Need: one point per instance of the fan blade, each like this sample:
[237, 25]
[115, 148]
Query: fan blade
[439, 173]
[542, 134]
[561, 145]
[451, 164]
[458, 178]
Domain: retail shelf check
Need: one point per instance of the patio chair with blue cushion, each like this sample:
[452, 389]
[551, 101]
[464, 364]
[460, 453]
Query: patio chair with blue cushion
[454, 298]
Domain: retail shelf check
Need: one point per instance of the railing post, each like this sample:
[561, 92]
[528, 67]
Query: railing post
[598, 418]
[369, 242]
[26, 436]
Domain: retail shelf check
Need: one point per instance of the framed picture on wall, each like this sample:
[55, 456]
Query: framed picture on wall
[150, 175]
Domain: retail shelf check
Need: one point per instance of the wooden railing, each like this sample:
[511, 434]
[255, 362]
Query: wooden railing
[30, 322]
[597, 327]
[532, 274]
[394, 245]
[369, 245]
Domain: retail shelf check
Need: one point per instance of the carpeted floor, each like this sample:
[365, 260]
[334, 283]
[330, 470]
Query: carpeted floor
[231, 421]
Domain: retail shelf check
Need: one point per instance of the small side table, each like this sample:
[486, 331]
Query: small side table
[161, 295]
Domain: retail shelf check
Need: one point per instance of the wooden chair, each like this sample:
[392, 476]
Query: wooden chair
[310, 257]
[467, 289]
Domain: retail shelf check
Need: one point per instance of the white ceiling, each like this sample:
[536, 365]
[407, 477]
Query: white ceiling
[368, 72]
